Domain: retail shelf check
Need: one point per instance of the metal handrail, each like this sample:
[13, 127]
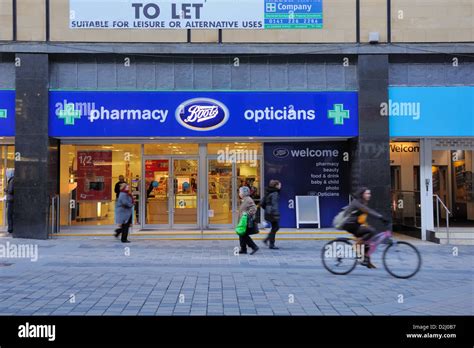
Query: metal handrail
[438, 201]
[448, 213]
[442, 203]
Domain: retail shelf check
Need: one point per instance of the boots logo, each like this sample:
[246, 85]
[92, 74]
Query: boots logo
[202, 114]
[281, 153]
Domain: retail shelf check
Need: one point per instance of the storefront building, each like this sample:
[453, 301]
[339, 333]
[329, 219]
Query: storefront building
[7, 141]
[186, 136]
[294, 119]
[431, 152]
[189, 106]
[185, 154]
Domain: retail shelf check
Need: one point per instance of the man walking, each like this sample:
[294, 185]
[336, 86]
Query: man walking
[117, 186]
[272, 211]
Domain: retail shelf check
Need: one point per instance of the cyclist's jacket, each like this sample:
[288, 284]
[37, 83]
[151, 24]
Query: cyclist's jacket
[357, 213]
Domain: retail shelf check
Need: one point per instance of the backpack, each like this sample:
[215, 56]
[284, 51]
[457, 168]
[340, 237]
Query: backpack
[340, 219]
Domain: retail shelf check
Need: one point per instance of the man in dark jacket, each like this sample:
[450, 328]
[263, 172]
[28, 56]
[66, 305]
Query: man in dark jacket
[117, 186]
[272, 211]
[357, 213]
[9, 192]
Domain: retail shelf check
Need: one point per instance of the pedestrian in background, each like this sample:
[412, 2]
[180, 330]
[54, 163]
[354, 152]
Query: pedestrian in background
[247, 206]
[270, 203]
[118, 184]
[9, 191]
[124, 211]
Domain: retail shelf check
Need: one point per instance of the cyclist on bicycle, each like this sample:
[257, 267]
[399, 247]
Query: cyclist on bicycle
[356, 223]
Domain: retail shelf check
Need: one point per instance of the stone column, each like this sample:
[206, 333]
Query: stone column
[36, 164]
[371, 155]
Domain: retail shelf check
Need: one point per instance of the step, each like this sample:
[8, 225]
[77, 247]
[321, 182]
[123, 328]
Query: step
[455, 235]
[456, 241]
[290, 234]
[216, 234]
[212, 236]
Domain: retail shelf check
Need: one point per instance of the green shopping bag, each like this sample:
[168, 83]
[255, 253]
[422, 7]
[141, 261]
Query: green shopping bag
[242, 225]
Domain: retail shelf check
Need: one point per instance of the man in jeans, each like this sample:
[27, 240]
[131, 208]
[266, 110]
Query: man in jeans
[272, 211]
[9, 192]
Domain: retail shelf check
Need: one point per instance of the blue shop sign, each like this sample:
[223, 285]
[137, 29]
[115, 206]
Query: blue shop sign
[431, 111]
[202, 114]
[7, 113]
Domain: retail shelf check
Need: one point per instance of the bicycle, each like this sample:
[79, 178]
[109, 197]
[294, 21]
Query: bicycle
[400, 259]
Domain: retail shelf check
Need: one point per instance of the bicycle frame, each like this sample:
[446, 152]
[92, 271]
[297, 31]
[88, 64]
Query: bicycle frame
[379, 238]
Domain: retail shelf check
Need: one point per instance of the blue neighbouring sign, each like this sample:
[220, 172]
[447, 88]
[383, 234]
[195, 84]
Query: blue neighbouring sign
[7, 113]
[293, 14]
[202, 114]
[431, 111]
[309, 169]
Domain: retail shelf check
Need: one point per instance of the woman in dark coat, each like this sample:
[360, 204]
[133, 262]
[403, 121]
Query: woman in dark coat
[272, 211]
[124, 210]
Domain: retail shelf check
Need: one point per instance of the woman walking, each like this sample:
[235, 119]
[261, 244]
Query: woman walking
[272, 211]
[124, 209]
[247, 206]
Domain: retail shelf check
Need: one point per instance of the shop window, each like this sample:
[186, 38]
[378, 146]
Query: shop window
[452, 173]
[7, 161]
[405, 183]
[89, 174]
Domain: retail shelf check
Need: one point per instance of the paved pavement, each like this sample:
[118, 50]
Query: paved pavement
[100, 276]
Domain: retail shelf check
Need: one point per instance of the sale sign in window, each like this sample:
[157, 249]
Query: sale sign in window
[94, 175]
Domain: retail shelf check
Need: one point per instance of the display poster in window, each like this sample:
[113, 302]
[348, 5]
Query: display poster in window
[156, 177]
[94, 175]
[309, 169]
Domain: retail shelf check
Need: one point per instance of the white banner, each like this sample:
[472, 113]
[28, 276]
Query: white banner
[167, 14]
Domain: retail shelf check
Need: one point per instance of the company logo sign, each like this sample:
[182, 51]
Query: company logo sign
[281, 153]
[69, 114]
[338, 114]
[202, 114]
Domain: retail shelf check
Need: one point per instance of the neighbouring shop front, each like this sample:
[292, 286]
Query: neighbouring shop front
[185, 154]
[432, 156]
[7, 148]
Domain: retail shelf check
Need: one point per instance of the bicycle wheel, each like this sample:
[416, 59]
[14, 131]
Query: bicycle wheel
[339, 257]
[402, 260]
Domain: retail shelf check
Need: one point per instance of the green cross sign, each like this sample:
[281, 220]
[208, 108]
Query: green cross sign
[3, 113]
[69, 114]
[338, 114]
